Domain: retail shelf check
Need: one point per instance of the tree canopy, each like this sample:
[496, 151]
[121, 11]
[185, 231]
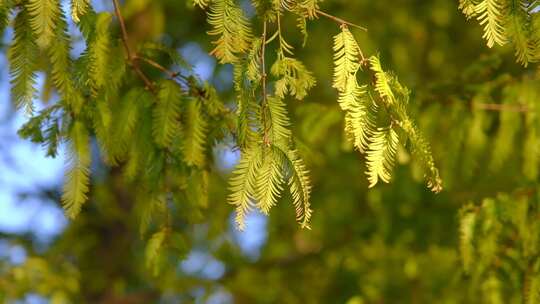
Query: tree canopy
[402, 136]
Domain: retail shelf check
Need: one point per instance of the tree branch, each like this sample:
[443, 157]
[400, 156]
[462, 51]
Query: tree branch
[339, 20]
[501, 107]
[131, 55]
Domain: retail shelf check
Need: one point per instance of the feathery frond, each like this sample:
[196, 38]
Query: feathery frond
[43, 19]
[300, 187]
[279, 133]
[243, 184]
[491, 16]
[422, 150]
[77, 181]
[23, 56]
[78, 9]
[270, 180]
[98, 53]
[361, 121]
[195, 134]
[294, 78]
[382, 81]
[61, 65]
[201, 3]
[468, 7]
[166, 115]
[153, 251]
[253, 71]
[232, 27]
[518, 30]
[381, 155]
[346, 58]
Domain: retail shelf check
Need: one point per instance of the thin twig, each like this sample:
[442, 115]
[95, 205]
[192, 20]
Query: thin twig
[263, 79]
[158, 66]
[263, 64]
[501, 107]
[131, 55]
[339, 20]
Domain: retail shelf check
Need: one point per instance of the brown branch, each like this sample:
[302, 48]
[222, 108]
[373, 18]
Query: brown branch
[339, 20]
[501, 107]
[158, 66]
[131, 55]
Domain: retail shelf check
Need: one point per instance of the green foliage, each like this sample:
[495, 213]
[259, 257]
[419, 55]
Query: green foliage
[243, 184]
[490, 16]
[195, 134]
[98, 53]
[78, 9]
[77, 181]
[362, 111]
[132, 107]
[43, 19]
[294, 78]
[507, 21]
[166, 114]
[23, 55]
[232, 27]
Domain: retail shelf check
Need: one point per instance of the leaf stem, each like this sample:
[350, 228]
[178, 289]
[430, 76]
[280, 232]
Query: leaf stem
[339, 20]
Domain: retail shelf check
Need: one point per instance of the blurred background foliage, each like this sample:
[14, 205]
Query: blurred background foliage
[396, 243]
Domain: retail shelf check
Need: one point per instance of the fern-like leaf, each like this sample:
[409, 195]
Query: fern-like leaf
[98, 53]
[201, 3]
[195, 134]
[468, 7]
[381, 155]
[78, 9]
[346, 54]
[77, 178]
[518, 29]
[279, 133]
[382, 81]
[154, 250]
[23, 55]
[422, 150]
[232, 27]
[166, 116]
[243, 184]
[270, 180]
[61, 65]
[294, 78]
[360, 121]
[300, 187]
[43, 19]
[490, 15]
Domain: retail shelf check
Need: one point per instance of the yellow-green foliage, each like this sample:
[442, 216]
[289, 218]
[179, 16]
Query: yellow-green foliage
[78, 9]
[166, 114]
[374, 111]
[294, 78]
[231, 27]
[490, 15]
[43, 19]
[23, 55]
[77, 181]
[507, 21]
[195, 134]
